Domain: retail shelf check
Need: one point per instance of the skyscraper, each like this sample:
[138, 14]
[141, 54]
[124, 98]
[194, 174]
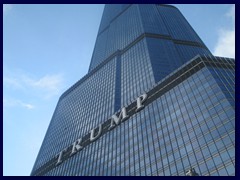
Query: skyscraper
[154, 102]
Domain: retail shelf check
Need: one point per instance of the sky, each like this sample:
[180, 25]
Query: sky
[47, 48]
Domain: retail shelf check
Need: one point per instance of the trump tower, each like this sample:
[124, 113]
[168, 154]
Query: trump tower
[155, 102]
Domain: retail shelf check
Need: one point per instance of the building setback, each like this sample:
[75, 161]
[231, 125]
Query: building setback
[154, 102]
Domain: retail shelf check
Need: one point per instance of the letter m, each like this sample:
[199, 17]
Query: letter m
[116, 120]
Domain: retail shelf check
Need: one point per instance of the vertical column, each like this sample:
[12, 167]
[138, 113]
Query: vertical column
[117, 104]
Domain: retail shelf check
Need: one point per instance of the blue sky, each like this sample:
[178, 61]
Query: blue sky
[47, 48]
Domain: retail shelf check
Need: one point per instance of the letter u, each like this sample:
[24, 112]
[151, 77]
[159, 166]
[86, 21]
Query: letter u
[94, 137]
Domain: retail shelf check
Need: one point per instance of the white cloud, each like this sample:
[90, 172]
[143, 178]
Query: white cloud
[231, 13]
[45, 87]
[28, 106]
[50, 82]
[12, 82]
[226, 42]
[6, 8]
[10, 102]
[50, 85]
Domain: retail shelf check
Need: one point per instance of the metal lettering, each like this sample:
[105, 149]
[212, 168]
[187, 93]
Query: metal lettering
[59, 161]
[92, 137]
[140, 100]
[116, 120]
[76, 146]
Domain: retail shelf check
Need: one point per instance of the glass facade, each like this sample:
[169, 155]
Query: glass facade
[123, 26]
[188, 118]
